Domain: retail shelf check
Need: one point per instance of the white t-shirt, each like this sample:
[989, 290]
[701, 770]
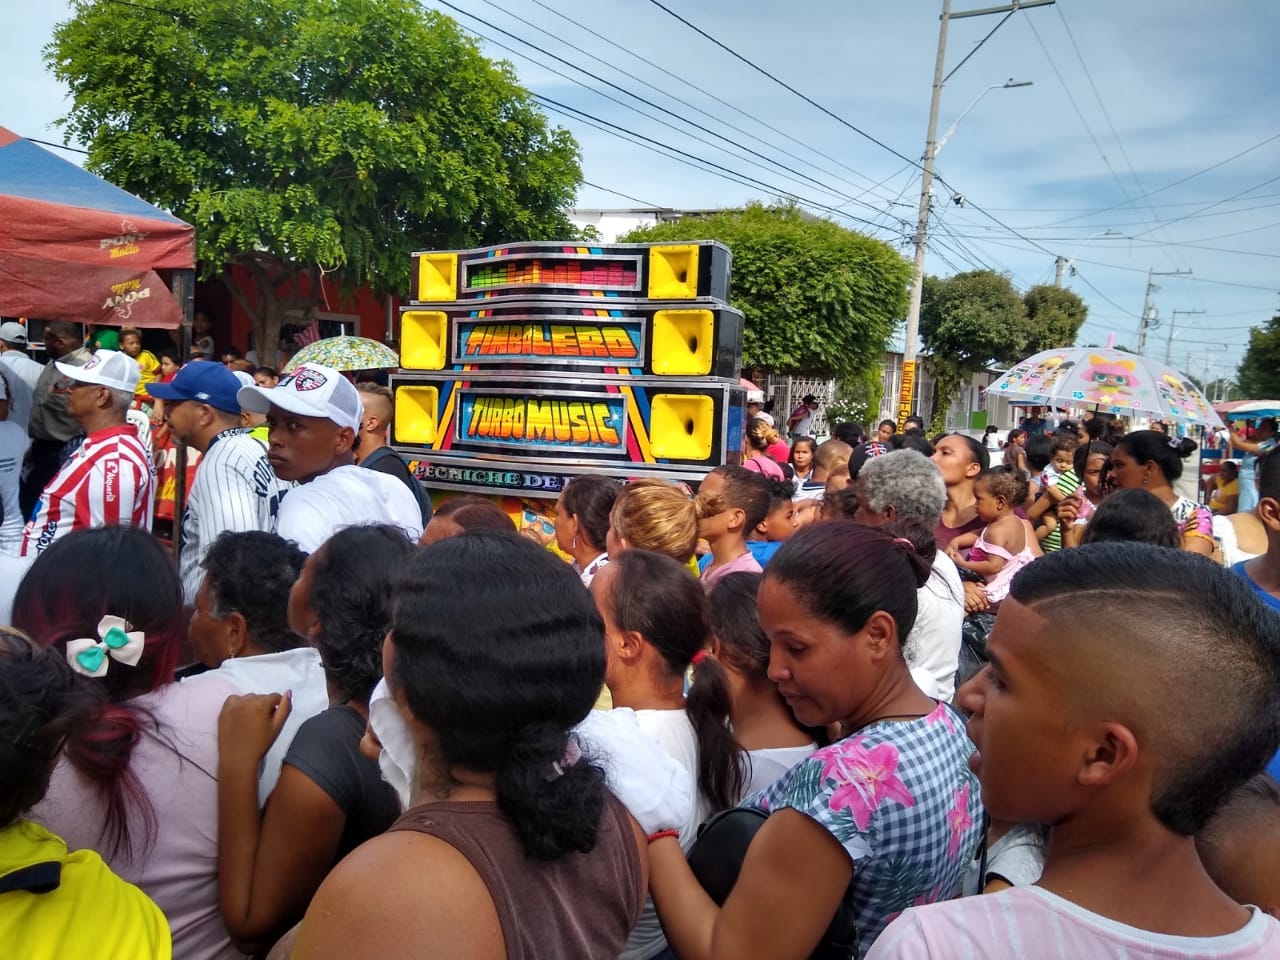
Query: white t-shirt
[673, 731]
[298, 670]
[346, 496]
[1031, 922]
[13, 447]
[21, 373]
[934, 642]
[12, 570]
[767, 765]
[1017, 858]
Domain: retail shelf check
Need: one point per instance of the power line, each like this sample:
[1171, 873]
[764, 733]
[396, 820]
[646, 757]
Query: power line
[741, 178]
[1182, 180]
[618, 193]
[724, 103]
[1218, 203]
[649, 103]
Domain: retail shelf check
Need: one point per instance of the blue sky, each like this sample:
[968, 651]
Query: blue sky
[1128, 99]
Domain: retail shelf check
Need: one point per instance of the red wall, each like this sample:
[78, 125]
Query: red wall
[231, 324]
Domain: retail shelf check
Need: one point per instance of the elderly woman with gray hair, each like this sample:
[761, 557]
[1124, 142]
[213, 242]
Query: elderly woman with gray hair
[904, 490]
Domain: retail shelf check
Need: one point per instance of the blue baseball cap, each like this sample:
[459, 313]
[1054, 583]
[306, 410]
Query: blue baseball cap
[203, 382]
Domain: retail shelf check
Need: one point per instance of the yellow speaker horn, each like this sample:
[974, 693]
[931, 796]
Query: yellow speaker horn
[683, 342]
[673, 272]
[437, 276]
[415, 420]
[423, 339]
[682, 426]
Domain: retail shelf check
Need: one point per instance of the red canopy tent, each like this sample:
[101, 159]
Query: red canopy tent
[75, 247]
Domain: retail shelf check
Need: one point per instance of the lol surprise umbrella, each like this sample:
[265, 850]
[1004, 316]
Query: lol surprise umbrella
[1107, 380]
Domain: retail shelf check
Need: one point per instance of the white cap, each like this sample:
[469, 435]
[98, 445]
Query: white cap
[106, 368]
[310, 390]
[755, 396]
[245, 379]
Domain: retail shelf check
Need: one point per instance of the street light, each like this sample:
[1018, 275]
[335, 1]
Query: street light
[1007, 85]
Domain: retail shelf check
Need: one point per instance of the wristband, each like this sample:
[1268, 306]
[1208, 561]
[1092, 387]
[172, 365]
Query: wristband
[664, 833]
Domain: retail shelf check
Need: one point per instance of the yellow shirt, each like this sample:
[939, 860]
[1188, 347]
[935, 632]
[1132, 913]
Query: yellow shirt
[89, 913]
[1224, 490]
[148, 370]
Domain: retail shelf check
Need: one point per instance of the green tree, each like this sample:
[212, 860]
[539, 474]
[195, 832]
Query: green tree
[817, 298]
[967, 322]
[302, 136]
[1259, 372]
[1054, 317]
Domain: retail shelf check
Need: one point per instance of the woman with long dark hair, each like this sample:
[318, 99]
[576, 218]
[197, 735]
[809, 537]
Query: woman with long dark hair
[882, 819]
[1149, 460]
[655, 625]
[138, 784]
[514, 847]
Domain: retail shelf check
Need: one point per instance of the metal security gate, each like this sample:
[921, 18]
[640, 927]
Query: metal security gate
[787, 392]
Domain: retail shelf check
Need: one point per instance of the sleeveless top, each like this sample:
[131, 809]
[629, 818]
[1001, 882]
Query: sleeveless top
[581, 905]
[997, 587]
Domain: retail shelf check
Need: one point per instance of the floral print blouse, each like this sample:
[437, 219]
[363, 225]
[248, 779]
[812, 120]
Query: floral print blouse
[900, 798]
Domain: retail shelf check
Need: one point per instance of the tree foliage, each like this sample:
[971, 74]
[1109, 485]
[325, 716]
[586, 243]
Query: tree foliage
[1259, 371]
[967, 322]
[818, 299]
[309, 135]
[1054, 317]
[972, 320]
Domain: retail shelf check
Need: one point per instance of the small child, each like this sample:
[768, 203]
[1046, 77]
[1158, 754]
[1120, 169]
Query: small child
[1092, 461]
[1059, 481]
[1240, 846]
[1001, 549]
[778, 524]
[746, 497]
[1113, 727]
[148, 365]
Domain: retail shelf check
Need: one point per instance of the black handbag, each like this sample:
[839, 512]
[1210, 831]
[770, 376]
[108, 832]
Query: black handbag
[716, 858]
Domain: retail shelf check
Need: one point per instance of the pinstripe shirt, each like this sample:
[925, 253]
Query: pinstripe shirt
[108, 481]
[234, 489]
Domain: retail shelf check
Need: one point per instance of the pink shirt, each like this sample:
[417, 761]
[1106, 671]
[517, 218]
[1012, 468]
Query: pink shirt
[178, 768]
[746, 563]
[1032, 922]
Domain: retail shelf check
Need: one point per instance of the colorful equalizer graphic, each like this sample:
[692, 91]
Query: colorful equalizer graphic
[677, 338]
[685, 271]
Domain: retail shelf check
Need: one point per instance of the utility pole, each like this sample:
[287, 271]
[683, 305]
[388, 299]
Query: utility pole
[1168, 343]
[1059, 269]
[912, 334]
[1150, 315]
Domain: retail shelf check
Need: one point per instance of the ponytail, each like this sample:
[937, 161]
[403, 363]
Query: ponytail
[721, 771]
[553, 797]
[655, 596]
[101, 753]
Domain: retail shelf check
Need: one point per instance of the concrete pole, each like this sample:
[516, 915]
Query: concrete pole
[912, 334]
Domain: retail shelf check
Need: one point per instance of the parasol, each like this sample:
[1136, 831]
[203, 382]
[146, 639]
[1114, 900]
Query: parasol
[1110, 381]
[346, 353]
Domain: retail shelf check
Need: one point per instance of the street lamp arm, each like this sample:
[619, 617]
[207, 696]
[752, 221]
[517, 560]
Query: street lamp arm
[1007, 85]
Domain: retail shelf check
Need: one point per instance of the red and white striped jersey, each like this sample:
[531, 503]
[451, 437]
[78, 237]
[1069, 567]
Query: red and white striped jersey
[109, 480]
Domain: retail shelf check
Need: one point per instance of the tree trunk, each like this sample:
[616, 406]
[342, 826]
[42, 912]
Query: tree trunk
[267, 314]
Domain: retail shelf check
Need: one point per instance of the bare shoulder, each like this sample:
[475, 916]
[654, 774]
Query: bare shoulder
[397, 894]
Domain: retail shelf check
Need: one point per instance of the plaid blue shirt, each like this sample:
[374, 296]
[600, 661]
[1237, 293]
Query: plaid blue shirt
[902, 801]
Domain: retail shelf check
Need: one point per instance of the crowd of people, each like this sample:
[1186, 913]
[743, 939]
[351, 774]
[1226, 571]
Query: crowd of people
[869, 697]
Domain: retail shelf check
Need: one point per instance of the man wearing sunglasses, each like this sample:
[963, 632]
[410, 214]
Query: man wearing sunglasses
[110, 478]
